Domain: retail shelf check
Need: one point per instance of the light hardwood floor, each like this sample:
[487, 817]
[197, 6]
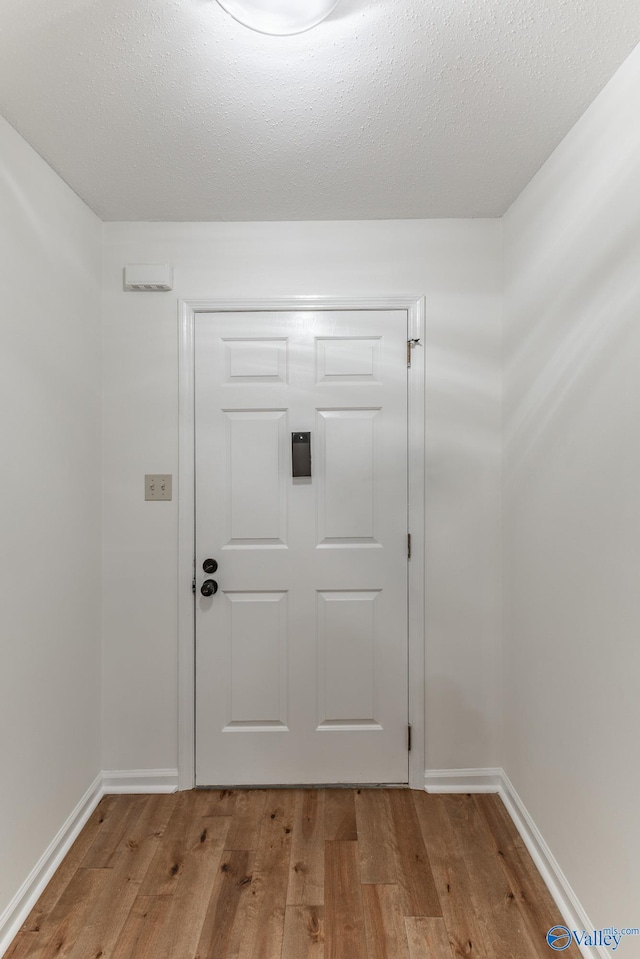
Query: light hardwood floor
[294, 874]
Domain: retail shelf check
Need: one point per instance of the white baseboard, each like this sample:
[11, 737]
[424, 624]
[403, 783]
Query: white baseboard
[108, 781]
[27, 895]
[497, 781]
[566, 900]
[140, 780]
[462, 780]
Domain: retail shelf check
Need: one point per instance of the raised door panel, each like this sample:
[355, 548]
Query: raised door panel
[256, 660]
[255, 361]
[346, 631]
[256, 491]
[342, 360]
[346, 478]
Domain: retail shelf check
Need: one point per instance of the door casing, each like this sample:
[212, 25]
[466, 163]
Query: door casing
[188, 310]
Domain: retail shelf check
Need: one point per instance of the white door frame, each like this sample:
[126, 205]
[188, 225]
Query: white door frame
[188, 309]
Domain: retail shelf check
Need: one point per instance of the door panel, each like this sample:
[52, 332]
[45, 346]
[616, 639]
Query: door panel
[345, 360]
[301, 655]
[256, 361]
[256, 513]
[347, 658]
[346, 477]
[257, 658]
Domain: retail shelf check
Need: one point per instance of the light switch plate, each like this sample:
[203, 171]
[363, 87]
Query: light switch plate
[157, 486]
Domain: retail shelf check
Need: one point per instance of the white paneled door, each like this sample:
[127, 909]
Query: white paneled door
[301, 652]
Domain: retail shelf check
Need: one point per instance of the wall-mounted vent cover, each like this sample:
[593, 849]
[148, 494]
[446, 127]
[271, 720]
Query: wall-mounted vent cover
[148, 277]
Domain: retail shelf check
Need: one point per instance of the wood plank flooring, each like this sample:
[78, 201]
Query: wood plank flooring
[294, 874]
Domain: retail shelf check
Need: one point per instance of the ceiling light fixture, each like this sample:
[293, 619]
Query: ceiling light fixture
[279, 17]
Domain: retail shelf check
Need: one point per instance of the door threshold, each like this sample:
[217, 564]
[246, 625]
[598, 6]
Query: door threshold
[312, 786]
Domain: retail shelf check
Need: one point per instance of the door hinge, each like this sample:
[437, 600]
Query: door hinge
[408, 737]
[408, 545]
[410, 345]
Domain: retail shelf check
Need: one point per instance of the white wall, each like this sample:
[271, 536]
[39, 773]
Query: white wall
[572, 500]
[50, 508]
[457, 265]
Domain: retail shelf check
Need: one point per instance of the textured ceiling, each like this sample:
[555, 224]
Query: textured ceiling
[170, 110]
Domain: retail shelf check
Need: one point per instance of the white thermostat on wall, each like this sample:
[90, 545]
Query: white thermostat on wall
[148, 277]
